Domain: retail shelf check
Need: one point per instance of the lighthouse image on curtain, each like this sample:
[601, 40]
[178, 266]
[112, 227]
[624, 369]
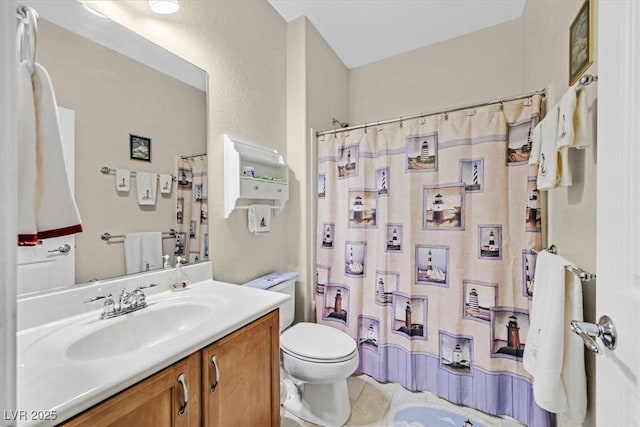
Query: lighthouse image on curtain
[394, 237]
[509, 329]
[472, 174]
[368, 332]
[432, 265]
[382, 181]
[362, 208]
[322, 185]
[355, 257]
[519, 140]
[323, 273]
[443, 207]
[328, 229]
[533, 213]
[528, 272]
[490, 242]
[348, 161]
[422, 152]
[479, 297]
[409, 316]
[456, 352]
[386, 284]
[336, 303]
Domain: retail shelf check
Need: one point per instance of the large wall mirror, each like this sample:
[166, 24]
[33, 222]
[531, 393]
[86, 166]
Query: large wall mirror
[117, 84]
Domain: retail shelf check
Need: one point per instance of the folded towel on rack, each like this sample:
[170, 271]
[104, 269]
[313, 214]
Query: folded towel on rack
[146, 188]
[259, 217]
[142, 251]
[553, 354]
[123, 180]
[46, 205]
[544, 151]
[166, 183]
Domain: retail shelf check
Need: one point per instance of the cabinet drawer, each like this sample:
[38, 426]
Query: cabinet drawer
[256, 189]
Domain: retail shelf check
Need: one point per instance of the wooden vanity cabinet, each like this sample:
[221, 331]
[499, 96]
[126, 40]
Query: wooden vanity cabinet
[241, 377]
[246, 393]
[156, 401]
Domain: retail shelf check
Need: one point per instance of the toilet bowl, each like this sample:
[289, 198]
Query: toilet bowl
[316, 361]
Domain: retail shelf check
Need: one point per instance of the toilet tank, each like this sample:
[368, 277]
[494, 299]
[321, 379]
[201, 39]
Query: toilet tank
[283, 282]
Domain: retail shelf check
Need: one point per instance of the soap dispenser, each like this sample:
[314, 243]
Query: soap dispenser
[179, 280]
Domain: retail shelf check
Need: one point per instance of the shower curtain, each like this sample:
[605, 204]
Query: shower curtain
[425, 230]
[192, 212]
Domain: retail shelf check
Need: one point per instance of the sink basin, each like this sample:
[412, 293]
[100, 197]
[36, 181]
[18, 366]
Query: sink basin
[93, 339]
[138, 330]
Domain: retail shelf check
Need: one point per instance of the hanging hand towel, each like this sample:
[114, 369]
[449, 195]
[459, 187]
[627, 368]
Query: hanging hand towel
[553, 354]
[47, 208]
[146, 188]
[123, 180]
[259, 217]
[142, 251]
[166, 182]
[582, 123]
[544, 142]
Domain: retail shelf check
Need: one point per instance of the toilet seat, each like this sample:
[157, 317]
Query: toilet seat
[317, 343]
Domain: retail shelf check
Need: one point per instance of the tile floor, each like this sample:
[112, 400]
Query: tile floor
[374, 404]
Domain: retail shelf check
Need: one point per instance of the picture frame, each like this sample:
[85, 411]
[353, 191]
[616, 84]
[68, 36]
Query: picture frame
[581, 42]
[139, 148]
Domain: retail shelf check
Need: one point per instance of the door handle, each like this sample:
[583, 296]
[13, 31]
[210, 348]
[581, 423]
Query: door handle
[214, 386]
[604, 329]
[63, 249]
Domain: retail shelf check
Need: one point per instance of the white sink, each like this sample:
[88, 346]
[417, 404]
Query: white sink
[141, 329]
[91, 338]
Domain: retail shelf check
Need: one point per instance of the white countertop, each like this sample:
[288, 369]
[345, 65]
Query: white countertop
[50, 381]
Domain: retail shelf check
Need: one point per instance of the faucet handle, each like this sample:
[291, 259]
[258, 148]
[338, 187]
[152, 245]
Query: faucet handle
[150, 285]
[99, 297]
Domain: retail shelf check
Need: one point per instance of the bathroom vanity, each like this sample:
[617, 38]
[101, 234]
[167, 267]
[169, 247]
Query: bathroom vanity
[207, 356]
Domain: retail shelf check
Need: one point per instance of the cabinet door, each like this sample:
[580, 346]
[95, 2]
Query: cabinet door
[242, 387]
[155, 402]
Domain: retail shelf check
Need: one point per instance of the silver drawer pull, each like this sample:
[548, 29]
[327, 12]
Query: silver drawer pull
[214, 360]
[279, 190]
[63, 249]
[255, 187]
[185, 395]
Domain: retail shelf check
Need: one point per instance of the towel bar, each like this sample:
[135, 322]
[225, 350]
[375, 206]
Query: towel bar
[584, 276]
[106, 170]
[108, 236]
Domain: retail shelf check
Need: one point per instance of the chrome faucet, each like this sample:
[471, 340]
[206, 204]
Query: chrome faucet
[127, 303]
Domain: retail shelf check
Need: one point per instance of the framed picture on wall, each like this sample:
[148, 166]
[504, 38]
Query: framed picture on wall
[581, 42]
[140, 148]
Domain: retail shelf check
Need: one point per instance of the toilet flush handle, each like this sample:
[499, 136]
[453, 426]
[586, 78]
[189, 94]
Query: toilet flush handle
[214, 361]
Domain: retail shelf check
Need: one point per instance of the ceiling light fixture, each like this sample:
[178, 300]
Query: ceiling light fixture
[164, 7]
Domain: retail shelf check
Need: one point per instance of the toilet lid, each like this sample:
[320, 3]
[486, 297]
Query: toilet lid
[317, 342]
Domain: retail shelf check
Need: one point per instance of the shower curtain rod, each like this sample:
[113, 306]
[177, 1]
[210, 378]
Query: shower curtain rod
[434, 113]
[191, 156]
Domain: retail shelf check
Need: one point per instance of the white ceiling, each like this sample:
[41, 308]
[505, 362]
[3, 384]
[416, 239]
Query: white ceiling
[364, 31]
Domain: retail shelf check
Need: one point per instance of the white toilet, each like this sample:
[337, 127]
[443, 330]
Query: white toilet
[316, 361]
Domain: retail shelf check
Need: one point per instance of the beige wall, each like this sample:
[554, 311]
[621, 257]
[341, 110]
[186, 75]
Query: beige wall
[572, 210]
[316, 92]
[113, 96]
[242, 45]
[477, 67]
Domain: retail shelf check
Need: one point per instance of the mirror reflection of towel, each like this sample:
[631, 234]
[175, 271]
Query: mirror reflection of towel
[146, 188]
[142, 251]
[259, 217]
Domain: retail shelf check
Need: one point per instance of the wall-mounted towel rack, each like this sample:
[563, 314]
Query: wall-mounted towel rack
[586, 80]
[106, 170]
[584, 276]
[108, 236]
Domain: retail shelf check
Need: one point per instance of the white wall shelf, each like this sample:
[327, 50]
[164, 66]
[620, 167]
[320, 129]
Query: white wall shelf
[270, 184]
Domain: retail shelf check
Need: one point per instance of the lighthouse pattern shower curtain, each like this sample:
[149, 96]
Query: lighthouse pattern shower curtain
[425, 236]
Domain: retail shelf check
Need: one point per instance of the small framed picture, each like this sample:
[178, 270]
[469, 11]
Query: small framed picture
[140, 148]
[581, 42]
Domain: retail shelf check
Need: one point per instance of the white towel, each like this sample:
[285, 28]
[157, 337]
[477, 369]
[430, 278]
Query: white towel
[553, 354]
[46, 204]
[166, 182]
[259, 217]
[123, 180]
[544, 142]
[582, 122]
[142, 251]
[146, 188]
[566, 112]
